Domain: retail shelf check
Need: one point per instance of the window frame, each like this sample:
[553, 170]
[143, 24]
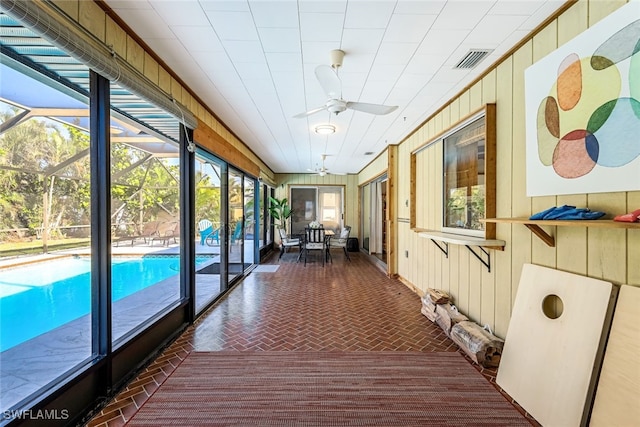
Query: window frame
[488, 112]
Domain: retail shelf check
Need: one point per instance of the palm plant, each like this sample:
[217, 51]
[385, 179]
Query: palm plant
[280, 211]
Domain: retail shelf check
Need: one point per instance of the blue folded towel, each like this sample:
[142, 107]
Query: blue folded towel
[567, 212]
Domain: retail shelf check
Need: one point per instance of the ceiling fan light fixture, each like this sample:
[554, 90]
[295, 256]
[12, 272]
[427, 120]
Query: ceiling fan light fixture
[326, 129]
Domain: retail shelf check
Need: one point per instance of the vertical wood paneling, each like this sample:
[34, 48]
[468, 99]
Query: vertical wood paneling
[475, 97]
[93, 18]
[504, 156]
[572, 22]
[465, 108]
[475, 287]
[633, 243]
[521, 204]
[544, 43]
[571, 242]
[116, 37]
[599, 9]
[151, 68]
[70, 7]
[135, 56]
[606, 248]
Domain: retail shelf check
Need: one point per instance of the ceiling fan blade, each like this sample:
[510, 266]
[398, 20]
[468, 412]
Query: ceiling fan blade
[372, 108]
[329, 81]
[310, 112]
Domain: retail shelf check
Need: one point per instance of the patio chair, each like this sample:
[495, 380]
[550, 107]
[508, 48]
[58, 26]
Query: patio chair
[208, 235]
[149, 230]
[314, 239]
[236, 236]
[288, 242]
[237, 232]
[205, 227]
[167, 231]
[341, 241]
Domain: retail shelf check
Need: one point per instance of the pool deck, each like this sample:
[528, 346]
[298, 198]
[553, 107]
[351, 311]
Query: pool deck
[30, 366]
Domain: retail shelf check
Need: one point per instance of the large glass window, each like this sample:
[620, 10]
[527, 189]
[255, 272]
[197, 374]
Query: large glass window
[323, 204]
[236, 220]
[250, 225]
[45, 207]
[145, 220]
[210, 244]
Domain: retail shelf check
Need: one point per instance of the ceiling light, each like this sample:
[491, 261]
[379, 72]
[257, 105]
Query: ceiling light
[324, 129]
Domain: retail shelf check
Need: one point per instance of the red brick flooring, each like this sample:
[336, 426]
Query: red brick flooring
[346, 306]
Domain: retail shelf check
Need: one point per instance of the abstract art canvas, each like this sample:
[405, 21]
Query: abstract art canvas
[583, 111]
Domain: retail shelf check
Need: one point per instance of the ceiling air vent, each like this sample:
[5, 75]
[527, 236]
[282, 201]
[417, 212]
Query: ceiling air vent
[472, 58]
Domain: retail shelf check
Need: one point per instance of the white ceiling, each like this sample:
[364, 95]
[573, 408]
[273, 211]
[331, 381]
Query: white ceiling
[252, 62]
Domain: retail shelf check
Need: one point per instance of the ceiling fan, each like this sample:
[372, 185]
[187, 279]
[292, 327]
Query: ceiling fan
[322, 171]
[332, 86]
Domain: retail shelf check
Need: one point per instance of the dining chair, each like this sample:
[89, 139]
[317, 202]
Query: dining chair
[288, 242]
[314, 239]
[341, 241]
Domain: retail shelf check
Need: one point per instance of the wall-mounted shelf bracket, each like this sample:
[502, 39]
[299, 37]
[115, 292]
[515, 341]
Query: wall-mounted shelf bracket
[444, 250]
[486, 263]
[468, 241]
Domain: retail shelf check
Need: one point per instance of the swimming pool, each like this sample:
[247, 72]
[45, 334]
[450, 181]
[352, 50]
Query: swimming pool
[39, 297]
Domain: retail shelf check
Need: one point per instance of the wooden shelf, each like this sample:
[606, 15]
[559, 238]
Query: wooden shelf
[467, 241]
[459, 239]
[534, 225]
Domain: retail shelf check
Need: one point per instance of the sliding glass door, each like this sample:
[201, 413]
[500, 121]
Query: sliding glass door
[211, 254]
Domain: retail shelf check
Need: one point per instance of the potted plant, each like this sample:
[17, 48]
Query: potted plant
[280, 211]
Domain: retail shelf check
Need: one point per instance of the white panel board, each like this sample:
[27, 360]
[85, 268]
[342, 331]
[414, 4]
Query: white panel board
[617, 400]
[547, 363]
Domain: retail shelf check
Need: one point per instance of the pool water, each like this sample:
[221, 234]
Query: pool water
[37, 298]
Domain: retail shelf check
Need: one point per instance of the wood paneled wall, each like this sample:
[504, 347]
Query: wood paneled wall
[487, 297]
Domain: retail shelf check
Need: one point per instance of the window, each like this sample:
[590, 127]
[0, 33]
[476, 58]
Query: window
[145, 224]
[322, 204]
[464, 173]
[45, 212]
[453, 178]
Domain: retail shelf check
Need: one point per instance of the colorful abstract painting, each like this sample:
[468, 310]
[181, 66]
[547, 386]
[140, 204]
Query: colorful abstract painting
[583, 111]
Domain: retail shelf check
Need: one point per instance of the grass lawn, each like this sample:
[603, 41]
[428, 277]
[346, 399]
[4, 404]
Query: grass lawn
[35, 247]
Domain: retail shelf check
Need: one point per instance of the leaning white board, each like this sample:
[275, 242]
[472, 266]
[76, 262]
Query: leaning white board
[617, 400]
[547, 364]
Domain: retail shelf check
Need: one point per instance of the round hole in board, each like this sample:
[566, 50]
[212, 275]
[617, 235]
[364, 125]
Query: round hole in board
[552, 306]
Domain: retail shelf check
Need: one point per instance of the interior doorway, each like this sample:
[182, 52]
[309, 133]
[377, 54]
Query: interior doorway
[374, 218]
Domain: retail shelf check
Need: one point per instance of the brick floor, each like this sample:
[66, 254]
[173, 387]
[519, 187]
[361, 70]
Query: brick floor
[346, 306]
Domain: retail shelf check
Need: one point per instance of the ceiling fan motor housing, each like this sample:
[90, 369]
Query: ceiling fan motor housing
[337, 56]
[336, 106]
